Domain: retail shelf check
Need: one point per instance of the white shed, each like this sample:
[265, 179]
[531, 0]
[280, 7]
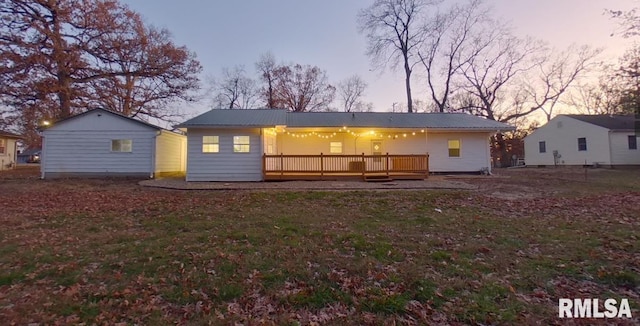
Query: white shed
[607, 140]
[99, 142]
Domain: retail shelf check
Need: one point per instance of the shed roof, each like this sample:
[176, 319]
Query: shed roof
[611, 122]
[5, 134]
[273, 117]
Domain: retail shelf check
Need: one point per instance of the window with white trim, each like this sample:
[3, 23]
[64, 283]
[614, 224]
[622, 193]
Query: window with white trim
[542, 147]
[3, 146]
[454, 147]
[335, 147]
[241, 144]
[210, 144]
[582, 144]
[122, 145]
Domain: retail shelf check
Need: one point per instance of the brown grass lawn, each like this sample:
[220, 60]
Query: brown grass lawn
[110, 251]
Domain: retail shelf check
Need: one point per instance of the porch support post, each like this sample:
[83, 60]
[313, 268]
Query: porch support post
[364, 168]
[321, 165]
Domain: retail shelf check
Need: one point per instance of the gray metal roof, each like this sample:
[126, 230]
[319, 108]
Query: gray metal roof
[237, 118]
[612, 122]
[266, 117]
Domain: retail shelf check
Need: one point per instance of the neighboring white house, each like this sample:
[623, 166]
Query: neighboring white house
[8, 150]
[254, 145]
[609, 140]
[99, 142]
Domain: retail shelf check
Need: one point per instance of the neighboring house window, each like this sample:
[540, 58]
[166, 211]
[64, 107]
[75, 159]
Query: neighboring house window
[633, 142]
[582, 144]
[542, 147]
[210, 144]
[121, 145]
[335, 147]
[2, 146]
[454, 148]
[241, 144]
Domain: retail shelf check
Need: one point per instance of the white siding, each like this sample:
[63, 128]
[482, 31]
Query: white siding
[474, 147]
[171, 152]
[561, 134]
[224, 165]
[474, 155]
[351, 145]
[8, 158]
[620, 152]
[82, 146]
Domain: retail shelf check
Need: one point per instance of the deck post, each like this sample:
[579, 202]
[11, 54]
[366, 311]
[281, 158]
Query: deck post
[387, 164]
[426, 176]
[321, 166]
[364, 168]
[264, 166]
[281, 165]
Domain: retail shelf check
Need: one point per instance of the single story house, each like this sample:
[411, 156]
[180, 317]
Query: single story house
[99, 142]
[272, 144]
[576, 139]
[8, 150]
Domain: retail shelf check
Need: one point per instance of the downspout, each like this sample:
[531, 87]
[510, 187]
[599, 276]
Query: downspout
[153, 154]
[43, 157]
[610, 150]
[15, 154]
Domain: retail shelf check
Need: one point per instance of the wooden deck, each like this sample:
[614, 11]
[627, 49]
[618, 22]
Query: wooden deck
[334, 167]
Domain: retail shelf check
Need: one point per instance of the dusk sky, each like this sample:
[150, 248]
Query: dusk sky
[324, 33]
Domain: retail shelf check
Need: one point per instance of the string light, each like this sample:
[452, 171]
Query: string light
[345, 130]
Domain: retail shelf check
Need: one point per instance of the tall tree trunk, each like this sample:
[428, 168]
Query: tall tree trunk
[407, 82]
[63, 90]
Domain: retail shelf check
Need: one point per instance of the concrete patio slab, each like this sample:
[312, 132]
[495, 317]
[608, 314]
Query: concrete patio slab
[431, 183]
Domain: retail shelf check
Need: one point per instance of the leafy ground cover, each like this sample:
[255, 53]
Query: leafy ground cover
[112, 252]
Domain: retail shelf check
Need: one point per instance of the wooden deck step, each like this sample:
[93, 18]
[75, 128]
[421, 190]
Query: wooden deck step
[377, 178]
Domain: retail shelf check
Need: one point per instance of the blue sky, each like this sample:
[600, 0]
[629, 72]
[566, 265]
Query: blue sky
[225, 33]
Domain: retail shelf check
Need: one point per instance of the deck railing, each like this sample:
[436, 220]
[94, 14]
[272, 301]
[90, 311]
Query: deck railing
[345, 165]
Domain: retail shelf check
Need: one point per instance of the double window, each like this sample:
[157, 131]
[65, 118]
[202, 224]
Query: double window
[122, 145]
[211, 144]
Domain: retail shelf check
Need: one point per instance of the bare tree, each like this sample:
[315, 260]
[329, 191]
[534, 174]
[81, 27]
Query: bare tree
[266, 67]
[555, 75]
[350, 92]
[449, 43]
[488, 75]
[235, 90]
[393, 32]
[303, 88]
[629, 21]
[605, 97]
